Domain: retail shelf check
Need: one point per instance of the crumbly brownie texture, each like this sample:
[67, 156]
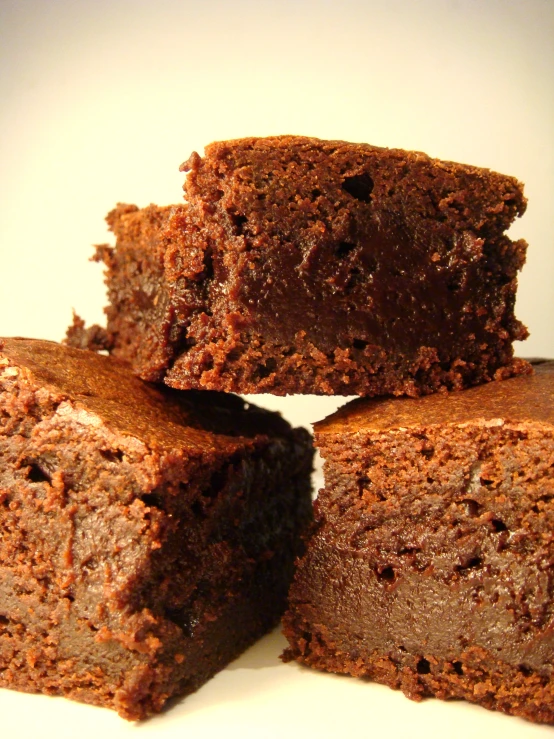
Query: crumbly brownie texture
[308, 266]
[147, 537]
[143, 327]
[430, 569]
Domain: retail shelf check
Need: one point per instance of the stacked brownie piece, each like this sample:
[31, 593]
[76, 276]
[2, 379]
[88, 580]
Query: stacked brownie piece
[431, 565]
[306, 266]
[294, 266]
[147, 536]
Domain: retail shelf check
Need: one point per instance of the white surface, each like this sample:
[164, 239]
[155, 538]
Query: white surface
[102, 100]
[258, 697]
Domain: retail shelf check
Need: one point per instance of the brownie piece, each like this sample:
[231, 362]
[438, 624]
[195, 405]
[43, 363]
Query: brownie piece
[430, 568]
[147, 536]
[308, 266]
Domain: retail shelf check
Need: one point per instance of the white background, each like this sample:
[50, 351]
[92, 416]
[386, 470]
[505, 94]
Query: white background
[101, 101]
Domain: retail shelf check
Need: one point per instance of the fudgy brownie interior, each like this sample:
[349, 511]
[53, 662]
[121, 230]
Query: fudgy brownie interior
[307, 266]
[430, 569]
[147, 536]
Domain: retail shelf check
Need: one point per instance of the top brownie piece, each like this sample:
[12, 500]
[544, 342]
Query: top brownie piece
[308, 266]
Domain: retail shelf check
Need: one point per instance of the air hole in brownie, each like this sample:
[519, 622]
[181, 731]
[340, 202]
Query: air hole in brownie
[152, 500]
[182, 618]
[486, 482]
[498, 525]
[316, 193]
[458, 669]
[359, 186]
[208, 271]
[386, 575]
[112, 455]
[401, 648]
[344, 249]
[238, 220]
[218, 481]
[90, 564]
[4, 620]
[359, 344]
[526, 671]
[473, 563]
[37, 474]
[428, 453]
[264, 370]
[198, 510]
[453, 285]
[69, 597]
[234, 355]
[364, 484]
[472, 507]
[354, 278]
[423, 667]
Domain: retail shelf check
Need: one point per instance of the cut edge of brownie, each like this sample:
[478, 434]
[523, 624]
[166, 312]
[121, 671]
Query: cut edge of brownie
[189, 321]
[428, 569]
[134, 567]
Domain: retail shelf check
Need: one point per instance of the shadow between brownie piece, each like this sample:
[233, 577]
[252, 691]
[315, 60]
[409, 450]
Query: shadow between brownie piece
[307, 266]
[147, 536]
[430, 569]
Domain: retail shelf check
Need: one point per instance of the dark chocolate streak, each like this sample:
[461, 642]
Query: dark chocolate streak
[379, 288]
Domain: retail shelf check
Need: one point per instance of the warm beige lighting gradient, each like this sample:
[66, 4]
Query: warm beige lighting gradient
[100, 101]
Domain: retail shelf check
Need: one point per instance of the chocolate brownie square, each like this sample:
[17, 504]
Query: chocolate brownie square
[147, 536]
[307, 266]
[431, 565]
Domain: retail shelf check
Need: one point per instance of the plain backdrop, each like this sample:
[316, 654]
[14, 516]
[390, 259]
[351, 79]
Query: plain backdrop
[100, 101]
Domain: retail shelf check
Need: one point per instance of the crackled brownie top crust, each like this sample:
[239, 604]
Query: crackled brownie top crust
[519, 399]
[160, 416]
